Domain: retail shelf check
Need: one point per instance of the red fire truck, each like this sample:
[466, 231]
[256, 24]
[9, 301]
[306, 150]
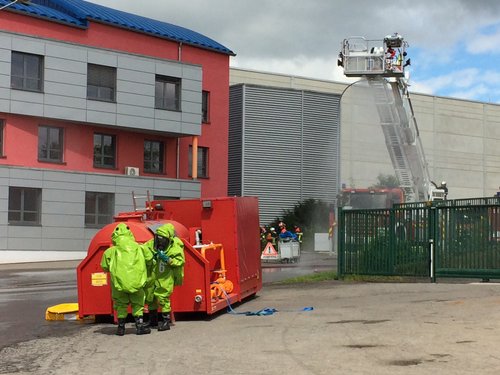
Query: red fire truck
[370, 198]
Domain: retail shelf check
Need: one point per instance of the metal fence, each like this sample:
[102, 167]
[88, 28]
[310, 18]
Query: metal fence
[454, 238]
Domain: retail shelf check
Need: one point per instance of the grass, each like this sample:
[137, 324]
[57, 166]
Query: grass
[312, 278]
[373, 278]
[332, 275]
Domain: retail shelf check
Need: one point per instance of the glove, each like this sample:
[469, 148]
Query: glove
[164, 257]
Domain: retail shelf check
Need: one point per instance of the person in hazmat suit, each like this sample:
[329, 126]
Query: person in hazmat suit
[168, 270]
[126, 263]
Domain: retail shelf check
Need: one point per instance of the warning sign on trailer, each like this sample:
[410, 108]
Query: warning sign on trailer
[269, 252]
[99, 279]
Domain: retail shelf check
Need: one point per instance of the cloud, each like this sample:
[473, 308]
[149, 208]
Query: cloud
[485, 43]
[470, 83]
[471, 92]
[448, 39]
[303, 66]
[421, 88]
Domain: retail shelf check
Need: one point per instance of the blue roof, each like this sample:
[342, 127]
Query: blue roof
[79, 12]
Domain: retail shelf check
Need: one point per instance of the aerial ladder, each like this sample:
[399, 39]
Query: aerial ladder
[382, 63]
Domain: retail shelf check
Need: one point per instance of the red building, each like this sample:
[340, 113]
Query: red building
[97, 105]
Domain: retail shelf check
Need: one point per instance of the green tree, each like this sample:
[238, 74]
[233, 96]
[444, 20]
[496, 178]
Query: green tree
[385, 181]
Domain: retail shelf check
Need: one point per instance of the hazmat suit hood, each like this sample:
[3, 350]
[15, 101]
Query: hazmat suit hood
[166, 230]
[125, 261]
[121, 234]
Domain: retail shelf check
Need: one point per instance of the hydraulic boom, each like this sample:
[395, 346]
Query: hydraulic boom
[382, 63]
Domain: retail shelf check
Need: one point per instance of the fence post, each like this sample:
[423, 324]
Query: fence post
[340, 241]
[431, 261]
[392, 240]
[432, 244]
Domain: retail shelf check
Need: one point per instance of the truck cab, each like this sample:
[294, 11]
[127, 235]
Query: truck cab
[351, 198]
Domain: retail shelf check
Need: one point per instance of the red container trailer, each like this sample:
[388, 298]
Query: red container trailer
[221, 246]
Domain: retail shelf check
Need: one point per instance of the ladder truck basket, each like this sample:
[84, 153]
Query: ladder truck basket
[363, 57]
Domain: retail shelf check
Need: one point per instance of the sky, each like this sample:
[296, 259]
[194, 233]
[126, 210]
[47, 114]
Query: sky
[454, 45]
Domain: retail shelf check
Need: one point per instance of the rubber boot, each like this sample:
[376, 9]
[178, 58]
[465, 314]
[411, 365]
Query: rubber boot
[165, 324]
[153, 318]
[120, 331]
[141, 328]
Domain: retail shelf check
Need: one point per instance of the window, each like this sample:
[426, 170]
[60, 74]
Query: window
[153, 156]
[50, 144]
[101, 83]
[168, 93]
[99, 209]
[202, 161]
[2, 128]
[26, 72]
[104, 151]
[205, 105]
[24, 205]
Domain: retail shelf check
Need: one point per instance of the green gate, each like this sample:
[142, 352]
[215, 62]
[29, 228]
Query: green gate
[454, 238]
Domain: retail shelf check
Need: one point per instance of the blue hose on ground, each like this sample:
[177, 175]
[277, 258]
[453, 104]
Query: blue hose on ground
[262, 312]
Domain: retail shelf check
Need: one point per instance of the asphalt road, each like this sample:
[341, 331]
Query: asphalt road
[353, 328]
[25, 294]
[26, 290]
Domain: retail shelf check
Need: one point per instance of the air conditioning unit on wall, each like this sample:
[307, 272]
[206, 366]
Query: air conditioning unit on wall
[132, 171]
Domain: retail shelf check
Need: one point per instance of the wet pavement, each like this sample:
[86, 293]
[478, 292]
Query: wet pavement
[28, 289]
[26, 293]
[348, 328]
[309, 262]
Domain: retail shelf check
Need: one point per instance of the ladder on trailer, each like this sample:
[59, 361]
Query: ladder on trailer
[148, 201]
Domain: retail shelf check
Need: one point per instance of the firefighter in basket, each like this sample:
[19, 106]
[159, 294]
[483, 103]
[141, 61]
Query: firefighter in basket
[167, 271]
[285, 235]
[126, 263]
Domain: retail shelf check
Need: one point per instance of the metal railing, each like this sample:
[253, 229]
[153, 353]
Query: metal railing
[461, 237]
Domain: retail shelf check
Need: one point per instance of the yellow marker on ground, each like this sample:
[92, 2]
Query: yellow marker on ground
[63, 311]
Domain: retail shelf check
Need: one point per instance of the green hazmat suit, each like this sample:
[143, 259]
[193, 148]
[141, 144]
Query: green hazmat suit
[126, 262]
[163, 276]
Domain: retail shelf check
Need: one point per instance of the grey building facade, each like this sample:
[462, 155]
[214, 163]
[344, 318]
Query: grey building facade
[460, 137]
[284, 146]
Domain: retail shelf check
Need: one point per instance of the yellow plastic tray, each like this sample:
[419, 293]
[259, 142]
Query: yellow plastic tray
[63, 311]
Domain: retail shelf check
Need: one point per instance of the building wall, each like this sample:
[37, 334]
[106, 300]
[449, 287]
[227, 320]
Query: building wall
[62, 233]
[247, 76]
[138, 57]
[64, 94]
[21, 146]
[214, 78]
[283, 146]
[236, 146]
[460, 138]
[463, 140]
